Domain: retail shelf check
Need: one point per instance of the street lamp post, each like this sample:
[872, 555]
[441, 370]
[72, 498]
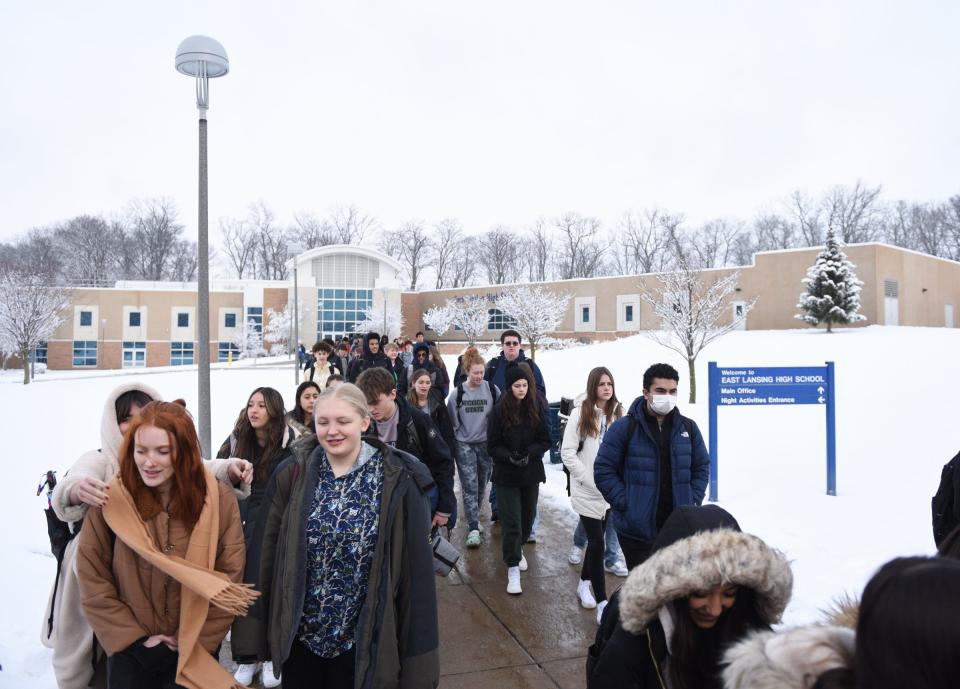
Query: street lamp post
[203, 58]
[384, 292]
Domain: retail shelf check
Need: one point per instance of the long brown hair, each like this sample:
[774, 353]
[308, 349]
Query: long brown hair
[589, 423]
[412, 392]
[189, 486]
[516, 412]
[247, 446]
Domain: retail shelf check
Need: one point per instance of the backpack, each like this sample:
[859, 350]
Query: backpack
[490, 386]
[563, 415]
[945, 505]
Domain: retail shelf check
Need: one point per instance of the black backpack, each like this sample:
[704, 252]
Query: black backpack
[945, 505]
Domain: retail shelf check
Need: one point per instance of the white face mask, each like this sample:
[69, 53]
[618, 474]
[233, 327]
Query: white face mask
[662, 404]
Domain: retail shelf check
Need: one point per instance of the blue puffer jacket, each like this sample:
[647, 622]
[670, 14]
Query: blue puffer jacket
[631, 484]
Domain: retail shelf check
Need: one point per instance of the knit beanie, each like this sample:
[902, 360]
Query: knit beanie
[514, 373]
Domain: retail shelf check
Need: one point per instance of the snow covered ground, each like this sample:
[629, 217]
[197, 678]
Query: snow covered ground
[895, 416]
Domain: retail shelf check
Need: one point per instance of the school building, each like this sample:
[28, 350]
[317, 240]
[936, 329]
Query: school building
[146, 324]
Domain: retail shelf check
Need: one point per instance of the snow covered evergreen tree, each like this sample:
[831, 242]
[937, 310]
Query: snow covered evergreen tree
[833, 290]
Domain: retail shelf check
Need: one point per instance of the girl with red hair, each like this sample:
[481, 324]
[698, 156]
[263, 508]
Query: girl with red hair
[159, 564]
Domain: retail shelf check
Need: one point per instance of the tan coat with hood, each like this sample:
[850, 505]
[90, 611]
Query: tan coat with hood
[70, 637]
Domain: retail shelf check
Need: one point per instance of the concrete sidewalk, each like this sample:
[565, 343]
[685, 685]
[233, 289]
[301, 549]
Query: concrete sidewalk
[489, 638]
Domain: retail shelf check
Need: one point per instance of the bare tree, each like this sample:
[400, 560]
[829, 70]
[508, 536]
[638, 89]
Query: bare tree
[183, 261]
[38, 253]
[448, 236]
[713, 244]
[809, 219]
[349, 224]
[308, 232]
[153, 236]
[540, 251]
[580, 251]
[30, 311]
[240, 246]
[773, 231]
[272, 251]
[463, 264]
[854, 214]
[640, 242]
[411, 246]
[692, 311]
[499, 255]
[89, 247]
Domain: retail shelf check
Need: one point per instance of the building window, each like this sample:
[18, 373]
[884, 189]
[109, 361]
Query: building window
[181, 353]
[224, 349]
[134, 354]
[628, 313]
[84, 353]
[183, 320]
[229, 320]
[134, 319]
[584, 314]
[255, 314]
[498, 320]
[339, 310]
[40, 353]
[86, 318]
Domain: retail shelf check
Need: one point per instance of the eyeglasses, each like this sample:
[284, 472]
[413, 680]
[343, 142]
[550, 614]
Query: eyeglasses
[514, 343]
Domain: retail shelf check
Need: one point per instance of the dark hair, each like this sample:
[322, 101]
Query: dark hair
[127, 400]
[419, 334]
[950, 546]
[247, 446]
[836, 678]
[696, 653]
[613, 410]
[412, 393]
[659, 371]
[507, 333]
[343, 345]
[516, 412]
[333, 378]
[322, 346]
[298, 413]
[375, 382]
[189, 487]
[907, 633]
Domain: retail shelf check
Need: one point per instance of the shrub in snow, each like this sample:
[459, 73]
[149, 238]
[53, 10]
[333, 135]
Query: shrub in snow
[833, 290]
[559, 343]
[389, 323]
[439, 319]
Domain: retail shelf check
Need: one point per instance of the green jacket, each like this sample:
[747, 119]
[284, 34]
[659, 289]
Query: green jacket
[397, 636]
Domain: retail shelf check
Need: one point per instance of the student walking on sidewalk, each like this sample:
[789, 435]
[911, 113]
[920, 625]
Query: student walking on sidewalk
[592, 413]
[517, 437]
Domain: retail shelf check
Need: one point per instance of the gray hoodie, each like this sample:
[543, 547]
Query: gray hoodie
[470, 420]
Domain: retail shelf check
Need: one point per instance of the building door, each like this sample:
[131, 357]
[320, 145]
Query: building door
[891, 302]
[948, 315]
[739, 315]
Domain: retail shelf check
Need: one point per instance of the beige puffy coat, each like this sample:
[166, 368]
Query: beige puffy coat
[584, 494]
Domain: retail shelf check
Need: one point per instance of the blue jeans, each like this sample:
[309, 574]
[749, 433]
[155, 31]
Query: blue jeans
[611, 553]
[434, 496]
[474, 467]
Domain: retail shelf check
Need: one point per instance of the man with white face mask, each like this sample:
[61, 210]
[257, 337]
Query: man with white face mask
[651, 461]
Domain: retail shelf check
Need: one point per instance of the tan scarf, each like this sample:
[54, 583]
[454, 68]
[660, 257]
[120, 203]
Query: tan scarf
[200, 584]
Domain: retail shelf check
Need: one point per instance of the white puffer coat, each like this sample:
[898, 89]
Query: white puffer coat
[584, 494]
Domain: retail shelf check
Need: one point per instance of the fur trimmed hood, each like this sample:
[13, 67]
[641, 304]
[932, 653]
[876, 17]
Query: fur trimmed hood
[792, 659]
[110, 436]
[710, 556]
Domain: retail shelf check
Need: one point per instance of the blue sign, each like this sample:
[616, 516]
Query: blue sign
[744, 387]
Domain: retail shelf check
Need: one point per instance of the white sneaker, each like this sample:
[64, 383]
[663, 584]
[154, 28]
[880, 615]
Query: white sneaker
[523, 562]
[266, 676]
[585, 594]
[600, 608]
[576, 555]
[244, 673]
[618, 568]
[513, 581]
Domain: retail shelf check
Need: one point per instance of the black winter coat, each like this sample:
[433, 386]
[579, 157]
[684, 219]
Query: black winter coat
[367, 360]
[505, 443]
[628, 661]
[399, 371]
[416, 435]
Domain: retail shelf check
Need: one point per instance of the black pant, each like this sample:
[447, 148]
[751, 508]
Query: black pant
[304, 670]
[139, 667]
[634, 550]
[593, 558]
[518, 508]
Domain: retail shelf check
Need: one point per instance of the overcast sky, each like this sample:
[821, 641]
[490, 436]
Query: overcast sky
[491, 112]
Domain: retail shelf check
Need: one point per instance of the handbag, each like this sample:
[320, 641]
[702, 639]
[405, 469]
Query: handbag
[445, 556]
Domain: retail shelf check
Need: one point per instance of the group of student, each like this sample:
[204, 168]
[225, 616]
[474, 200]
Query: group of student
[308, 537]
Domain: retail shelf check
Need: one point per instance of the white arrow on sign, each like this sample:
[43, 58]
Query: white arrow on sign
[820, 389]
[821, 399]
